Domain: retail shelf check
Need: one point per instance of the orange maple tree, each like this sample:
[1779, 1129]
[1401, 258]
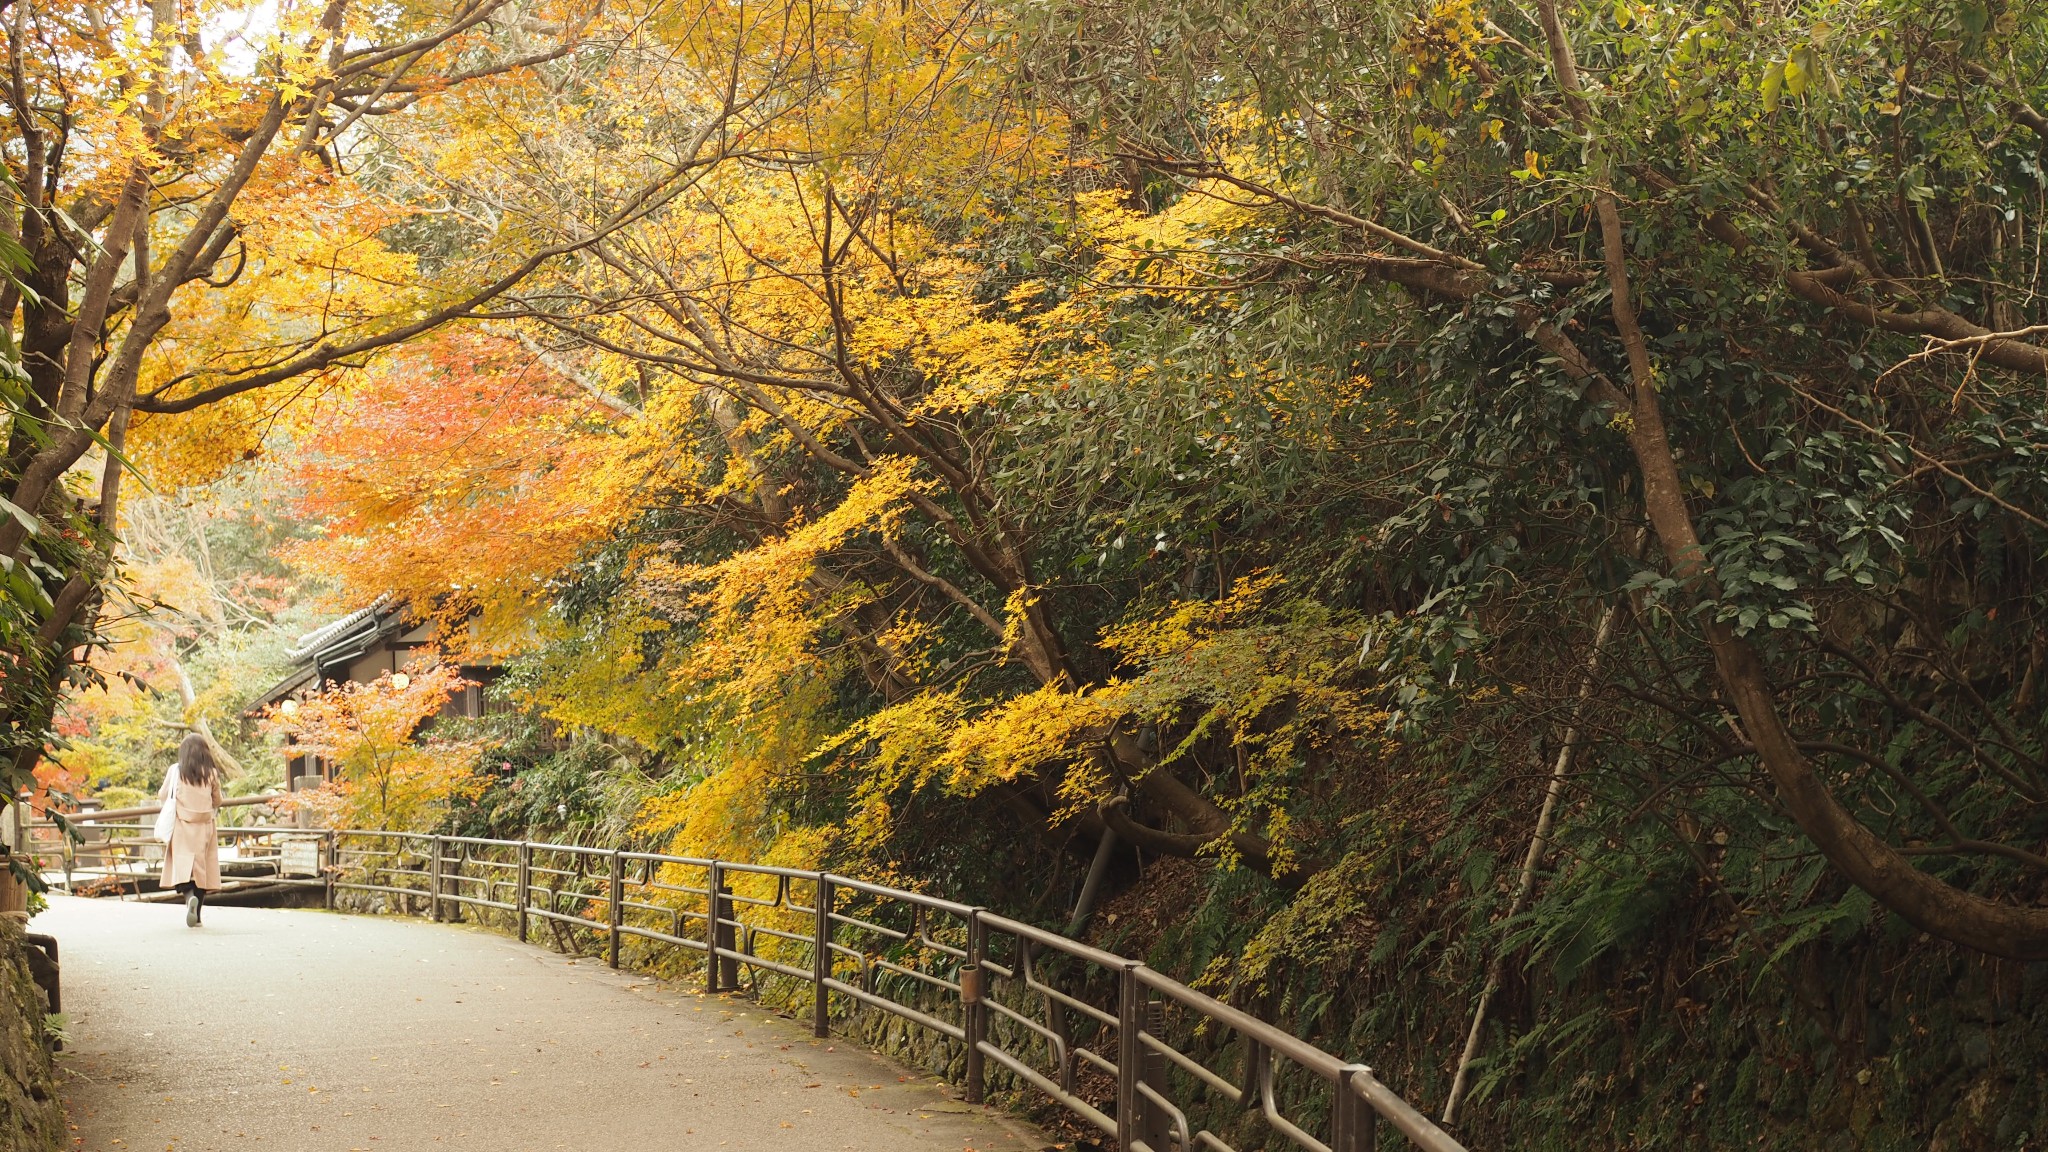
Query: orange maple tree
[184, 229]
[389, 772]
[200, 226]
[455, 477]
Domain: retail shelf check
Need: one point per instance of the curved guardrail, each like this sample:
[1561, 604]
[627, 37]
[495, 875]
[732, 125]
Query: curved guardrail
[1127, 1049]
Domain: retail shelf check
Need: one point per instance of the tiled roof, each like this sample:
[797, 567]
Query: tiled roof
[330, 645]
[319, 638]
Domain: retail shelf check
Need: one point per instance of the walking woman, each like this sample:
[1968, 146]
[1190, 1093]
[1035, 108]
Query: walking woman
[192, 851]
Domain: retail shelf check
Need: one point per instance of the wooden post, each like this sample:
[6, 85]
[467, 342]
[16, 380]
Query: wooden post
[821, 960]
[615, 898]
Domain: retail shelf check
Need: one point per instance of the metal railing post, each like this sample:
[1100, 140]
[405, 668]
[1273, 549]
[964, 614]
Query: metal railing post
[525, 884]
[821, 960]
[714, 883]
[614, 899]
[974, 1007]
[330, 862]
[1136, 1120]
[1256, 1069]
[1353, 1125]
[728, 937]
[1155, 1128]
[434, 882]
[1128, 1049]
[1055, 1017]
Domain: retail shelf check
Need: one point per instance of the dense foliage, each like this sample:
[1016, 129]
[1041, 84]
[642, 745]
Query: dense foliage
[1539, 501]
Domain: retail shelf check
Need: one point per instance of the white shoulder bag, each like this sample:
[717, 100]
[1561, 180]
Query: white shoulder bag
[167, 819]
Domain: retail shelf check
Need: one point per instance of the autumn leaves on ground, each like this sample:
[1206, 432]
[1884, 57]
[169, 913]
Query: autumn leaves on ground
[1521, 526]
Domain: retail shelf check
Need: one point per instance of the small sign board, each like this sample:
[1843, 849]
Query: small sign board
[299, 857]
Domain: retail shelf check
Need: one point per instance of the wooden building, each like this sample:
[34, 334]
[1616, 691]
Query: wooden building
[356, 649]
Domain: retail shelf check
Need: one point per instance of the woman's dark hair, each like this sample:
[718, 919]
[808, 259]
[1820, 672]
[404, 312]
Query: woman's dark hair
[195, 761]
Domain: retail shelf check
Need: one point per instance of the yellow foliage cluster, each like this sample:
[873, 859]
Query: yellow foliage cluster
[1173, 248]
[760, 611]
[1270, 671]
[768, 348]
[1444, 39]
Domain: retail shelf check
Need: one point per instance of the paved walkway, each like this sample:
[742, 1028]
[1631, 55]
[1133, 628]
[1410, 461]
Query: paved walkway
[304, 1030]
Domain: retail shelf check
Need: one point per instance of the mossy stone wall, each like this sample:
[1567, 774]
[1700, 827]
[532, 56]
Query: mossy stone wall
[31, 1120]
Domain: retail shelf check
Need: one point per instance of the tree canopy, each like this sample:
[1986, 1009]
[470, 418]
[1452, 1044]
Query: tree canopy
[1097, 388]
[1334, 443]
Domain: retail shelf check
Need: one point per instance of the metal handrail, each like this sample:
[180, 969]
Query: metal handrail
[55, 843]
[150, 810]
[880, 947]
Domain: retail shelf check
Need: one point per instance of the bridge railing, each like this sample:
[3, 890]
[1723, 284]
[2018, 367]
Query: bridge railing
[1127, 1049]
[113, 850]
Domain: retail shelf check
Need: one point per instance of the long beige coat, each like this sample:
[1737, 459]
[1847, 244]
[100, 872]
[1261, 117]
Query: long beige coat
[194, 851]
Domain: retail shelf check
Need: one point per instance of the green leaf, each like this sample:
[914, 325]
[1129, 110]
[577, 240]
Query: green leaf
[1774, 85]
[1811, 67]
[22, 515]
[13, 256]
[23, 587]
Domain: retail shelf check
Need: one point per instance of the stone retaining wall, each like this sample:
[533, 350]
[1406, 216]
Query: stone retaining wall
[31, 1120]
